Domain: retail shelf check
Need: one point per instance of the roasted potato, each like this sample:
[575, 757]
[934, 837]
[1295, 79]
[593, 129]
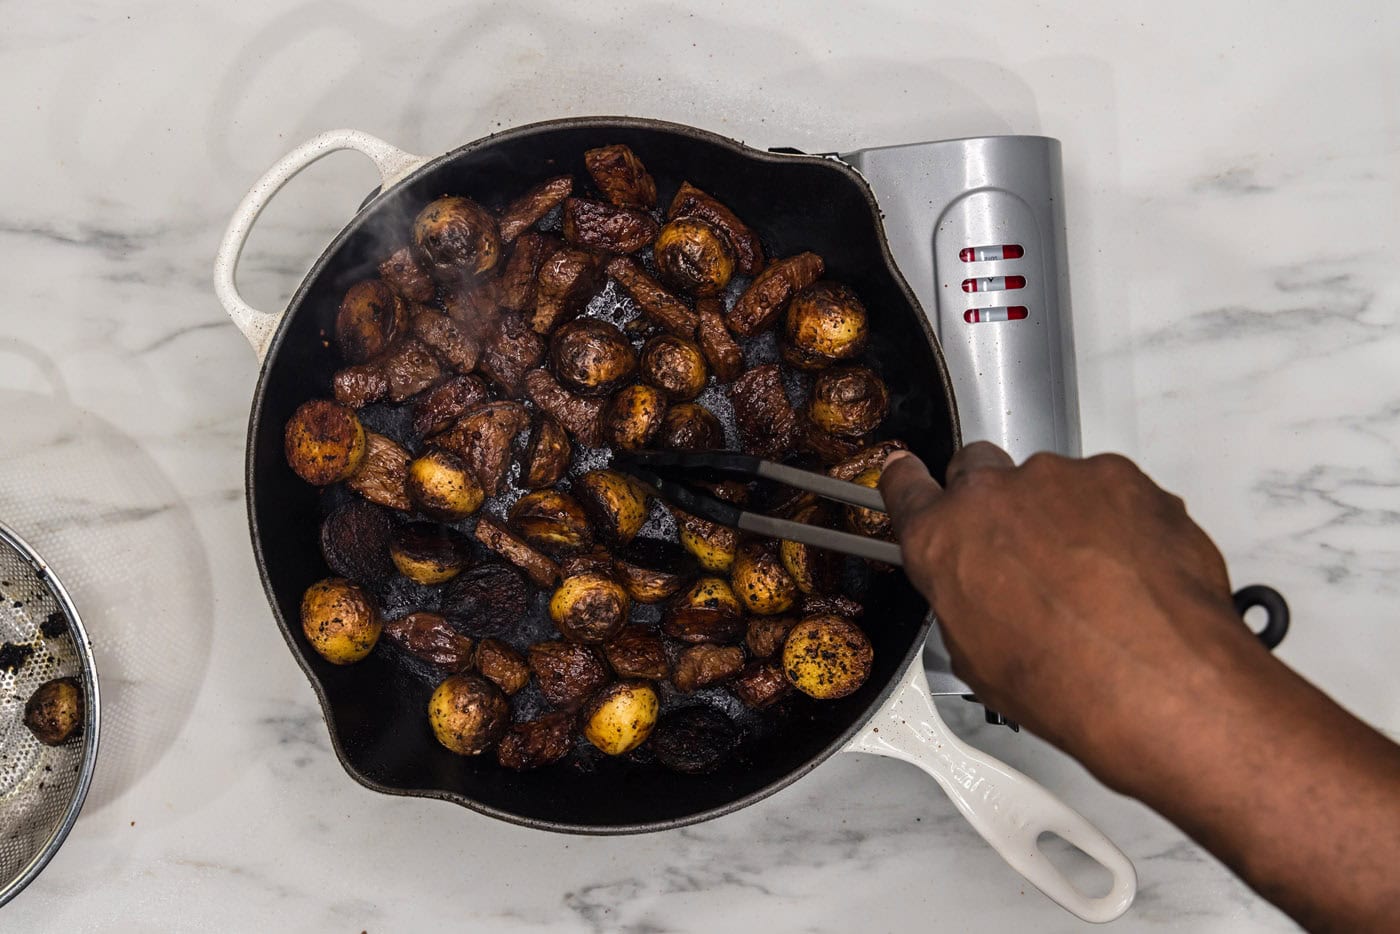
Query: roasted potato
[501, 665]
[848, 401]
[383, 477]
[591, 357]
[825, 324]
[487, 601]
[441, 486]
[621, 177]
[707, 612]
[689, 426]
[633, 417]
[676, 366]
[428, 553]
[552, 521]
[406, 277]
[765, 418]
[369, 318]
[655, 302]
[722, 351]
[714, 546]
[615, 502]
[766, 634]
[456, 239]
[431, 637]
[468, 714]
[692, 202]
[539, 742]
[638, 652]
[325, 442]
[527, 210]
[547, 455]
[760, 684]
[694, 740]
[355, 541]
[813, 569]
[568, 673]
[541, 568]
[694, 257]
[758, 308]
[651, 571]
[54, 712]
[760, 581]
[589, 608]
[621, 716]
[868, 522]
[700, 666]
[340, 620]
[827, 657]
[597, 225]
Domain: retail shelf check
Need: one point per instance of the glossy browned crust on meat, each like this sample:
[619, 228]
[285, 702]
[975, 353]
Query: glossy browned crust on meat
[430, 636]
[483, 439]
[517, 286]
[863, 460]
[692, 202]
[381, 478]
[567, 279]
[700, 666]
[511, 350]
[568, 673]
[524, 212]
[410, 367]
[638, 652]
[597, 225]
[358, 386]
[759, 307]
[540, 568]
[452, 344]
[760, 684]
[407, 277]
[547, 455]
[655, 302]
[765, 418]
[620, 176]
[448, 401]
[502, 665]
[539, 742]
[834, 604]
[722, 351]
[766, 634]
[581, 417]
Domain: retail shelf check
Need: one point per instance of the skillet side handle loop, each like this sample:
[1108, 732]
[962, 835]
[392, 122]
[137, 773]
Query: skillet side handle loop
[1008, 809]
[258, 326]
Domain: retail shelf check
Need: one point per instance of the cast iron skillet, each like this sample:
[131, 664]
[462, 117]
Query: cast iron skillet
[376, 709]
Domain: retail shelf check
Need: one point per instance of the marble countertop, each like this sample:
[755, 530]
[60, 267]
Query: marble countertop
[1232, 194]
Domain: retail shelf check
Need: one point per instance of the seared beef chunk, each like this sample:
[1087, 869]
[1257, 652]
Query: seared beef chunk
[488, 600]
[766, 634]
[358, 386]
[568, 673]
[448, 401]
[703, 665]
[431, 637]
[597, 225]
[621, 177]
[542, 569]
[760, 685]
[692, 202]
[483, 438]
[694, 740]
[548, 454]
[517, 291]
[511, 350]
[580, 416]
[445, 338]
[381, 478]
[524, 212]
[656, 303]
[501, 664]
[637, 652]
[766, 420]
[407, 278]
[725, 357]
[767, 296]
[539, 742]
[568, 278]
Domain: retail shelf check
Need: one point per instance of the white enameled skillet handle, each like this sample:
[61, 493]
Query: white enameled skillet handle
[258, 326]
[1008, 809]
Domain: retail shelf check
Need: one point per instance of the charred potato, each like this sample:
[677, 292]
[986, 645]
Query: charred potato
[488, 600]
[690, 426]
[651, 574]
[827, 657]
[813, 569]
[54, 712]
[638, 652]
[703, 665]
[383, 477]
[428, 553]
[714, 546]
[825, 324]
[547, 455]
[848, 401]
[501, 665]
[707, 612]
[692, 202]
[760, 581]
[355, 541]
[535, 743]
[340, 620]
[551, 520]
[432, 638]
[616, 503]
[592, 357]
[694, 740]
[621, 177]
[634, 416]
[692, 256]
[868, 522]
[457, 239]
[369, 318]
[589, 608]
[325, 442]
[568, 673]
[676, 366]
[621, 716]
[441, 486]
[468, 714]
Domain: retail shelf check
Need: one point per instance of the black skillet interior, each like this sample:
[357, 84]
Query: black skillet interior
[376, 709]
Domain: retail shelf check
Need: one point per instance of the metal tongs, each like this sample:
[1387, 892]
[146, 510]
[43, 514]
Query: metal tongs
[666, 473]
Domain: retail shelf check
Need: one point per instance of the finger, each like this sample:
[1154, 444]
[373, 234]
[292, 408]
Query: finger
[979, 455]
[907, 488]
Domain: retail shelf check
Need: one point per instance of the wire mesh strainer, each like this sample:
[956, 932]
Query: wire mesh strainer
[41, 787]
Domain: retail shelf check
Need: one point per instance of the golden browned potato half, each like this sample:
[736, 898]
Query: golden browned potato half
[760, 581]
[621, 716]
[813, 569]
[634, 416]
[848, 401]
[691, 255]
[591, 357]
[441, 486]
[589, 608]
[369, 318]
[616, 503]
[427, 553]
[340, 620]
[714, 546]
[551, 520]
[676, 366]
[868, 522]
[54, 712]
[457, 239]
[325, 442]
[707, 612]
[825, 324]
[689, 426]
[827, 657]
[468, 714]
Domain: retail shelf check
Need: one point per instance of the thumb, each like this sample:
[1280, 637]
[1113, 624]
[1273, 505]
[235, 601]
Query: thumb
[907, 488]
